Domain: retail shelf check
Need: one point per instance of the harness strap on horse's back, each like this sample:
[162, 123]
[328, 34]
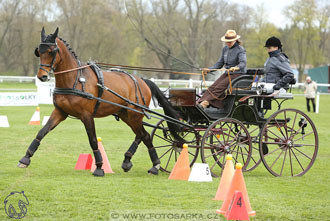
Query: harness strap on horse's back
[100, 79]
[137, 86]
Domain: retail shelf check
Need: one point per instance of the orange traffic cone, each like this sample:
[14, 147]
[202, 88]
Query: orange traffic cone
[84, 162]
[35, 119]
[237, 184]
[237, 209]
[226, 178]
[106, 164]
[181, 169]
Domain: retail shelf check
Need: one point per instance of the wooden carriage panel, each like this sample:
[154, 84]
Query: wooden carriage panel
[183, 97]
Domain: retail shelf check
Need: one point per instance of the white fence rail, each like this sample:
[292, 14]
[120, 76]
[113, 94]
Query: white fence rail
[171, 82]
[17, 78]
[44, 91]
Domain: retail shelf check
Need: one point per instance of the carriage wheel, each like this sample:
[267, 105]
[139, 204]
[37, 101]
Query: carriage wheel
[169, 149]
[254, 131]
[292, 142]
[225, 136]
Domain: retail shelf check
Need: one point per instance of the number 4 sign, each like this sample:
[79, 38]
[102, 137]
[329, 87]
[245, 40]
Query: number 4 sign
[237, 209]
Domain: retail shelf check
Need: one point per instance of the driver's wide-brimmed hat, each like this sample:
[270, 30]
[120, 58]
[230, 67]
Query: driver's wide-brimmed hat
[230, 36]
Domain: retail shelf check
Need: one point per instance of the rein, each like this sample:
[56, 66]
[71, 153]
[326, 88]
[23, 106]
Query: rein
[160, 70]
[73, 69]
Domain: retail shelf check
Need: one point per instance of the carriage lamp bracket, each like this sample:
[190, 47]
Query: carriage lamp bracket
[302, 123]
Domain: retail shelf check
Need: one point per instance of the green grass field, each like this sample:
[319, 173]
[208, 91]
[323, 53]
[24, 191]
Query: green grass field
[58, 192]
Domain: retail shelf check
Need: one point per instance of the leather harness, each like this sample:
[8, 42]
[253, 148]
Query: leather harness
[101, 87]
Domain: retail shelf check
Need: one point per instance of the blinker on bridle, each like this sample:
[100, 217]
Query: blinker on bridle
[53, 53]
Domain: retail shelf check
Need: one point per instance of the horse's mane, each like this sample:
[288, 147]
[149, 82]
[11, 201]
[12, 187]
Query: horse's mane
[69, 48]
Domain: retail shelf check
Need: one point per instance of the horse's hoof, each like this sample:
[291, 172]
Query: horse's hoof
[24, 162]
[98, 172]
[22, 165]
[153, 171]
[127, 166]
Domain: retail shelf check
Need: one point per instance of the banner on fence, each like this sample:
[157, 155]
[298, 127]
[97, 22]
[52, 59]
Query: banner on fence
[45, 91]
[18, 99]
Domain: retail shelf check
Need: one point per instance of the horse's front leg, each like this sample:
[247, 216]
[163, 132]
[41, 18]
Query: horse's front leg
[56, 117]
[88, 121]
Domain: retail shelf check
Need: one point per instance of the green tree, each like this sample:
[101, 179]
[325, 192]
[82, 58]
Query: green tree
[303, 33]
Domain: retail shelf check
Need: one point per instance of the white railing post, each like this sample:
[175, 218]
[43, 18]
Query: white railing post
[190, 83]
[317, 102]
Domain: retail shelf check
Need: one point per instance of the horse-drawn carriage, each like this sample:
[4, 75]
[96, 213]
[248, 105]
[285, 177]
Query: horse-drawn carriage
[286, 141]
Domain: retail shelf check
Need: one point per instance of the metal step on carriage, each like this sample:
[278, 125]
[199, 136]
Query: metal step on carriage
[284, 140]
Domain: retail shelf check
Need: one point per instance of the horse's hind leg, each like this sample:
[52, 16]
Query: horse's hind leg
[56, 117]
[152, 153]
[88, 121]
[135, 122]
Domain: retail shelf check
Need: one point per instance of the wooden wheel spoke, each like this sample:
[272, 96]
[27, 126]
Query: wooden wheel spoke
[276, 159]
[302, 153]
[279, 128]
[298, 160]
[294, 121]
[301, 145]
[161, 146]
[273, 151]
[275, 143]
[169, 159]
[305, 135]
[165, 153]
[215, 163]
[290, 162]
[213, 154]
[240, 152]
[168, 140]
[274, 134]
[286, 125]
[230, 130]
[286, 150]
[192, 154]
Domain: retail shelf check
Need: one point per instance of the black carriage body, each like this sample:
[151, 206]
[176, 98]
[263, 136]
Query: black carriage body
[257, 139]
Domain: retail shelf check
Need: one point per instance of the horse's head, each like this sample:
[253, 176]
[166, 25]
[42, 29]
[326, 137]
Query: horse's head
[48, 53]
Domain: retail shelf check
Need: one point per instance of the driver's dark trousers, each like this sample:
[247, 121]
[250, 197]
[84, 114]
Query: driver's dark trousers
[215, 94]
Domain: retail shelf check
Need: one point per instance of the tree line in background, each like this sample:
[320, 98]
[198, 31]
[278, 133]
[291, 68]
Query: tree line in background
[152, 33]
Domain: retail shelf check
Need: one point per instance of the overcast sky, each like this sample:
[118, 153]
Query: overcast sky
[274, 9]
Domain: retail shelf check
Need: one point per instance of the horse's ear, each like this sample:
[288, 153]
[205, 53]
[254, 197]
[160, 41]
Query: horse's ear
[43, 35]
[55, 33]
[36, 53]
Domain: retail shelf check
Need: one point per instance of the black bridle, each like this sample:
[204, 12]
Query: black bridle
[53, 53]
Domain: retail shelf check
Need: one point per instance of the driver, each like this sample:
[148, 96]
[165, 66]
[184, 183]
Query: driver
[233, 58]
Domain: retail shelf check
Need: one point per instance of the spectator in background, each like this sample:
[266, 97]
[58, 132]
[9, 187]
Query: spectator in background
[310, 90]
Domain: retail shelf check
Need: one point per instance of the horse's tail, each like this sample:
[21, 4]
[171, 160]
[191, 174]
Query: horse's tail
[167, 107]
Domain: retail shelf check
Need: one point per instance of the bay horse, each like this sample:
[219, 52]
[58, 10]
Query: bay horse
[75, 85]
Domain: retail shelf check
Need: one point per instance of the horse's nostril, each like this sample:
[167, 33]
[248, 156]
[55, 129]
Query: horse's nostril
[44, 78]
